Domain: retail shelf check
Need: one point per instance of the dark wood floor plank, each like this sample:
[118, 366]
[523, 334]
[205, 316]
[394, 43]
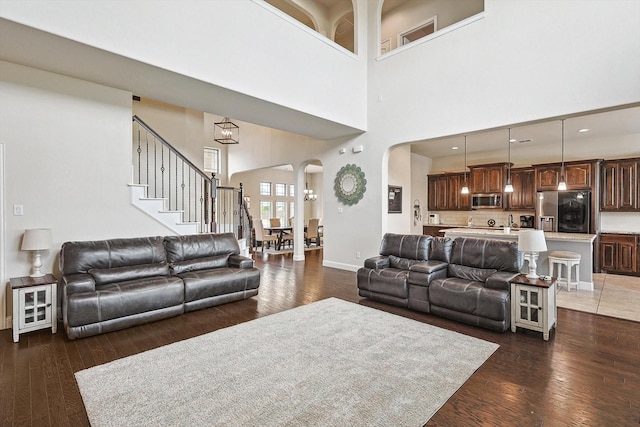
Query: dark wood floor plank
[588, 373]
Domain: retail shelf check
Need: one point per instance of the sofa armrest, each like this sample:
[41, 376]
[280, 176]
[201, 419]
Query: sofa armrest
[77, 283]
[500, 280]
[429, 266]
[377, 262]
[239, 261]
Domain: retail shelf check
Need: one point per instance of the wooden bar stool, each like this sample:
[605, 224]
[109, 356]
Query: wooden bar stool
[568, 259]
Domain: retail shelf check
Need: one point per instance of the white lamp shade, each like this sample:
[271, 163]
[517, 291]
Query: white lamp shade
[531, 241]
[37, 239]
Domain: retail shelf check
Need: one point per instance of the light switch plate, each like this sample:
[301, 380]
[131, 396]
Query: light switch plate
[18, 210]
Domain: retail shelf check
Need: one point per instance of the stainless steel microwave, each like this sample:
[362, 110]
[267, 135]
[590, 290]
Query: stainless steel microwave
[486, 201]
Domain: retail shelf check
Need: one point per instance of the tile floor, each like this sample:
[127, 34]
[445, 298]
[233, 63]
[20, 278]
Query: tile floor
[613, 295]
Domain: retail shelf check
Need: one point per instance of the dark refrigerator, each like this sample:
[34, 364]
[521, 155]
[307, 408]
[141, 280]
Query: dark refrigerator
[564, 211]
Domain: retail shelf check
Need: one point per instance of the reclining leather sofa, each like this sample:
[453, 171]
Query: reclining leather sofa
[114, 284]
[463, 279]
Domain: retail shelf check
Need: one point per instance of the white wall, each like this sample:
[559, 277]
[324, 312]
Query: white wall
[420, 166]
[68, 162]
[239, 45]
[525, 61]
[400, 175]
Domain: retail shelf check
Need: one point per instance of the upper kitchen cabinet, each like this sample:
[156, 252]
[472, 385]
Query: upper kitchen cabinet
[444, 193]
[487, 178]
[619, 185]
[524, 190]
[577, 175]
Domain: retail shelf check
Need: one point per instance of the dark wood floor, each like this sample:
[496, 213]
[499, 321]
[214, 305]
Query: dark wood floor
[588, 373]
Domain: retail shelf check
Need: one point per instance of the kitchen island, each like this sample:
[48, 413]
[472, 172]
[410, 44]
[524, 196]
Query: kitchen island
[574, 242]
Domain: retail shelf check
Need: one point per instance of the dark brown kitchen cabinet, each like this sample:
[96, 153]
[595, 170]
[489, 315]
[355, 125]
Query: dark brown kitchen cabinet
[486, 179]
[524, 190]
[444, 193]
[619, 253]
[577, 175]
[620, 190]
[437, 187]
[434, 230]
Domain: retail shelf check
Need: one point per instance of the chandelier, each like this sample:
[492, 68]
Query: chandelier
[309, 195]
[226, 132]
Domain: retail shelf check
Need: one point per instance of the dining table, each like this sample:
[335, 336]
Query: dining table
[279, 232]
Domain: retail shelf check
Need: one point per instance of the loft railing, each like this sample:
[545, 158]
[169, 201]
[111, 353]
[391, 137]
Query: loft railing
[170, 175]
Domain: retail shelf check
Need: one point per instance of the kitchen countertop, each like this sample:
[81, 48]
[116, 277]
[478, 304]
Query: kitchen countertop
[619, 232]
[483, 232]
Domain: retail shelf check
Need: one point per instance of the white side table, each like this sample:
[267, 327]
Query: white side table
[34, 304]
[534, 304]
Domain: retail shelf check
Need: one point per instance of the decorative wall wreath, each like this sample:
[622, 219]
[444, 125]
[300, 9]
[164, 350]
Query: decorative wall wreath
[350, 184]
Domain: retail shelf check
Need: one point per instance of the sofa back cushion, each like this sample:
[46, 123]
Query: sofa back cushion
[185, 248]
[501, 255]
[103, 276]
[470, 273]
[411, 246]
[80, 257]
[441, 249]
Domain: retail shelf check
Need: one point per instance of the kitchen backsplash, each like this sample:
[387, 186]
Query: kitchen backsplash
[619, 222]
[480, 217]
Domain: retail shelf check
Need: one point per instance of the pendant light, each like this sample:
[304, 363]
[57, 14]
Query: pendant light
[465, 186]
[509, 187]
[562, 185]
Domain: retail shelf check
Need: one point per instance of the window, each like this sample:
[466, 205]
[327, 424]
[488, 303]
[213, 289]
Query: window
[265, 212]
[292, 190]
[281, 190]
[265, 188]
[422, 30]
[211, 160]
[281, 212]
[292, 210]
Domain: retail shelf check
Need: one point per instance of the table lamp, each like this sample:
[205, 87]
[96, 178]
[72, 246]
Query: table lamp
[531, 242]
[37, 239]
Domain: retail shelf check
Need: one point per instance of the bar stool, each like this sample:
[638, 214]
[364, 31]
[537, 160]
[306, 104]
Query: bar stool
[570, 260]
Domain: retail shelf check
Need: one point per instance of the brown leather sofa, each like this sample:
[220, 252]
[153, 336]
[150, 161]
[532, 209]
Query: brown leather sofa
[113, 284]
[463, 279]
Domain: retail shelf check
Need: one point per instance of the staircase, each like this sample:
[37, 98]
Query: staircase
[172, 190]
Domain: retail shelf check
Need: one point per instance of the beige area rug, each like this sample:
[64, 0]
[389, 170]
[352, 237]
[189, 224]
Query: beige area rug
[330, 363]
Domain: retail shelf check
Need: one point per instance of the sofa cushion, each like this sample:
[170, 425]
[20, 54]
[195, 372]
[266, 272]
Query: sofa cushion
[412, 246]
[183, 248]
[216, 261]
[402, 263]
[80, 257]
[218, 281]
[468, 296]
[470, 273]
[441, 249]
[104, 276]
[388, 281]
[501, 255]
[122, 299]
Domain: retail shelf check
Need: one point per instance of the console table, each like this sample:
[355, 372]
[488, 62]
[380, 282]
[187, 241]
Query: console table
[534, 304]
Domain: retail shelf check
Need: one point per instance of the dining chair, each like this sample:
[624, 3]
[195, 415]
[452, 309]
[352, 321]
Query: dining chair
[275, 222]
[261, 236]
[312, 232]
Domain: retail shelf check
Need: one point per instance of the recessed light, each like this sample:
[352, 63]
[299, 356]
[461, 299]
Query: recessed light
[583, 130]
[455, 148]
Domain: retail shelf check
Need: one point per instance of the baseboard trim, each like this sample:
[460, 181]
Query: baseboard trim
[341, 266]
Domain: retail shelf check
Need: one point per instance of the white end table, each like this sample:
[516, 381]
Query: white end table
[34, 304]
[534, 304]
